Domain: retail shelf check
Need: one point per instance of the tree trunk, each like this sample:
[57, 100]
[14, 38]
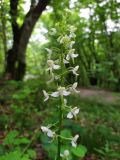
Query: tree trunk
[16, 57]
[15, 67]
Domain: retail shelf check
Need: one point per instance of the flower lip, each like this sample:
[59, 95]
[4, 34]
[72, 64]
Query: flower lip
[74, 140]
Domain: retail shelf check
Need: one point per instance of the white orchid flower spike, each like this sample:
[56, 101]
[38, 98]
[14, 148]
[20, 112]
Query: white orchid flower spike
[74, 140]
[73, 113]
[61, 92]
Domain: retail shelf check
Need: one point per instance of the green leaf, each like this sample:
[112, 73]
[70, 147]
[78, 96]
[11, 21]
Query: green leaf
[31, 153]
[11, 137]
[66, 133]
[79, 151]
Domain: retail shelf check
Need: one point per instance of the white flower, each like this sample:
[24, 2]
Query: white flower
[73, 113]
[53, 31]
[74, 140]
[65, 61]
[64, 39]
[73, 88]
[65, 154]
[71, 44]
[49, 52]
[47, 131]
[61, 92]
[72, 29]
[52, 65]
[72, 35]
[71, 55]
[46, 95]
[74, 70]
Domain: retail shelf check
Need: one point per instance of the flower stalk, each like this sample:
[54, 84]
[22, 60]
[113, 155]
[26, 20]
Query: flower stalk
[60, 109]
[57, 70]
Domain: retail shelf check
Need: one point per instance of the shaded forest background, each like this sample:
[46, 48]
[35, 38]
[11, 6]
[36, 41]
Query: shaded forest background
[97, 39]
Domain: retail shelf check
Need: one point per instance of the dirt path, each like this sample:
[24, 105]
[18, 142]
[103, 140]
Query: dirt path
[100, 95]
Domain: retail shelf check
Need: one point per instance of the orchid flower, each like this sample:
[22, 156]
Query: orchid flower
[66, 154]
[74, 140]
[71, 55]
[73, 88]
[61, 92]
[73, 113]
[46, 95]
[47, 131]
[74, 70]
[52, 66]
[64, 39]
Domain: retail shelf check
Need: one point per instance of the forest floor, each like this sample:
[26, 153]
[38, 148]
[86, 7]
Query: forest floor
[100, 95]
[15, 99]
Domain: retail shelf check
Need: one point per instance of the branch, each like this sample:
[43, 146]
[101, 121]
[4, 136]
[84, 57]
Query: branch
[35, 12]
[14, 14]
[29, 22]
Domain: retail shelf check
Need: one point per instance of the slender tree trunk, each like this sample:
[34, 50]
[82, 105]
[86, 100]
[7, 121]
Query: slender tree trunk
[16, 57]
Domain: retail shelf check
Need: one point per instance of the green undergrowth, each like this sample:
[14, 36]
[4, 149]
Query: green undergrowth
[22, 112]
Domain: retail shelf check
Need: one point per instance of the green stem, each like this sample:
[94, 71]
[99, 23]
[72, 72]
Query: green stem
[59, 132]
[60, 111]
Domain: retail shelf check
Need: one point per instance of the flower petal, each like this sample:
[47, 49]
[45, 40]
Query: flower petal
[76, 68]
[45, 95]
[68, 57]
[77, 111]
[74, 85]
[74, 144]
[70, 115]
[44, 129]
[50, 133]
[74, 55]
[74, 140]
[66, 93]
[55, 94]
[56, 66]
[65, 61]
